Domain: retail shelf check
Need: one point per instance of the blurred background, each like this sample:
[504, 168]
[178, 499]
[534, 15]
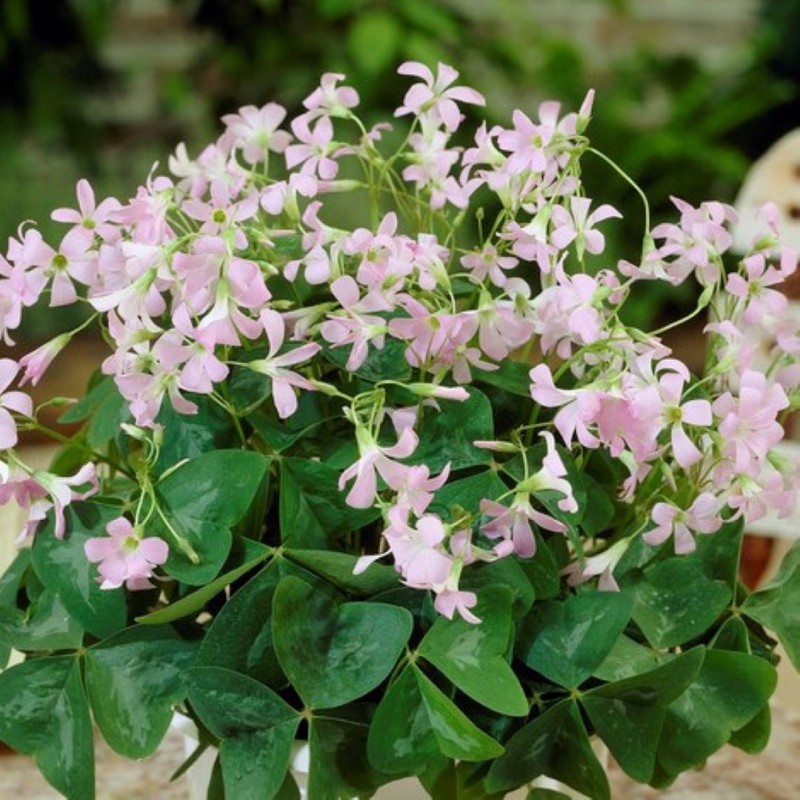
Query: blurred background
[689, 93]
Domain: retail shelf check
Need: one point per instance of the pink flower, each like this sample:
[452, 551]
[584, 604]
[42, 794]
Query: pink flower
[375, 460]
[36, 363]
[435, 96]
[759, 301]
[91, 218]
[11, 401]
[701, 517]
[330, 98]
[513, 524]
[274, 365]
[602, 564]
[314, 149]
[692, 412]
[61, 491]
[448, 601]
[488, 263]
[749, 424]
[124, 557]
[356, 326]
[577, 225]
[255, 131]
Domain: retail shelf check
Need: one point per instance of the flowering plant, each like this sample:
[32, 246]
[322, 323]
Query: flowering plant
[374, 462]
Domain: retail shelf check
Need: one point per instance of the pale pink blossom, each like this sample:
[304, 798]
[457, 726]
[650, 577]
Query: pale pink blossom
[375, 460]
[488, 263]
[35, 363]
[255, 131]
[331, 99]
[436, 96]
[17, 402]
[671, 520]
[274, 366]
[125, 557]
[91, 218]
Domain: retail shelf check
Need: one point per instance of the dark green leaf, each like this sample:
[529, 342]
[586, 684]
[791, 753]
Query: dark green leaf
[415, 723]
[313, 512]
[732, 635]
[106, 410]
[731, 689]
[255, 727]
[240, 637]
[194, 602]
[338, 569]
[466, 494]
[389, 361]
[599, 512]
[332, 653]
[777, 606]
[555, 744]
[628, 658]
[338, 756]
[629, 715]
[45, 716]
[467, 653]
[512, 376]
[674, 602]
[203, 500]
[191, 435]
[447, 436]
[566, 641]
[753, 738]
[44, 625]
[133, 682]
[506, 572]
[718, 555]
[62, 565]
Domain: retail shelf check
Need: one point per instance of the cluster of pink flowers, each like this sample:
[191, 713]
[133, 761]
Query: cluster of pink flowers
[184, 274]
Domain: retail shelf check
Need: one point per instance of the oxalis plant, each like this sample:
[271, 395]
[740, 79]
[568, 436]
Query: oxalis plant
[375, 464]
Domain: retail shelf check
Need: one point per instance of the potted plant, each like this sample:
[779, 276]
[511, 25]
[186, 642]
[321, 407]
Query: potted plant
[374, 464]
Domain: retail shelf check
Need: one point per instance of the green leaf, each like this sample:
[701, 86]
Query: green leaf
[203, 500]
[466, 494]
[467, 653]
[566, 641]
[544, 569]
[599, 512]
[447, 436]
[777, 606]
[415, 723]
[389, 361]
[507, 572]
[192, 435]
[194, 602]
[555, 744]
[730, 690]
[674, 602]
[546, 794]
[133, 682]
[313, 512]
[240, 637]
[45, 716]
[718, 555]
[62, 566]
[255, 727]
[629, 715]
[105, 408]
[338, 569]
[338, 756]
[512, 377]
[332, 653]
[44, 625]
[628, 658]
[732, 635]
[753, 738]
[10, 582]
